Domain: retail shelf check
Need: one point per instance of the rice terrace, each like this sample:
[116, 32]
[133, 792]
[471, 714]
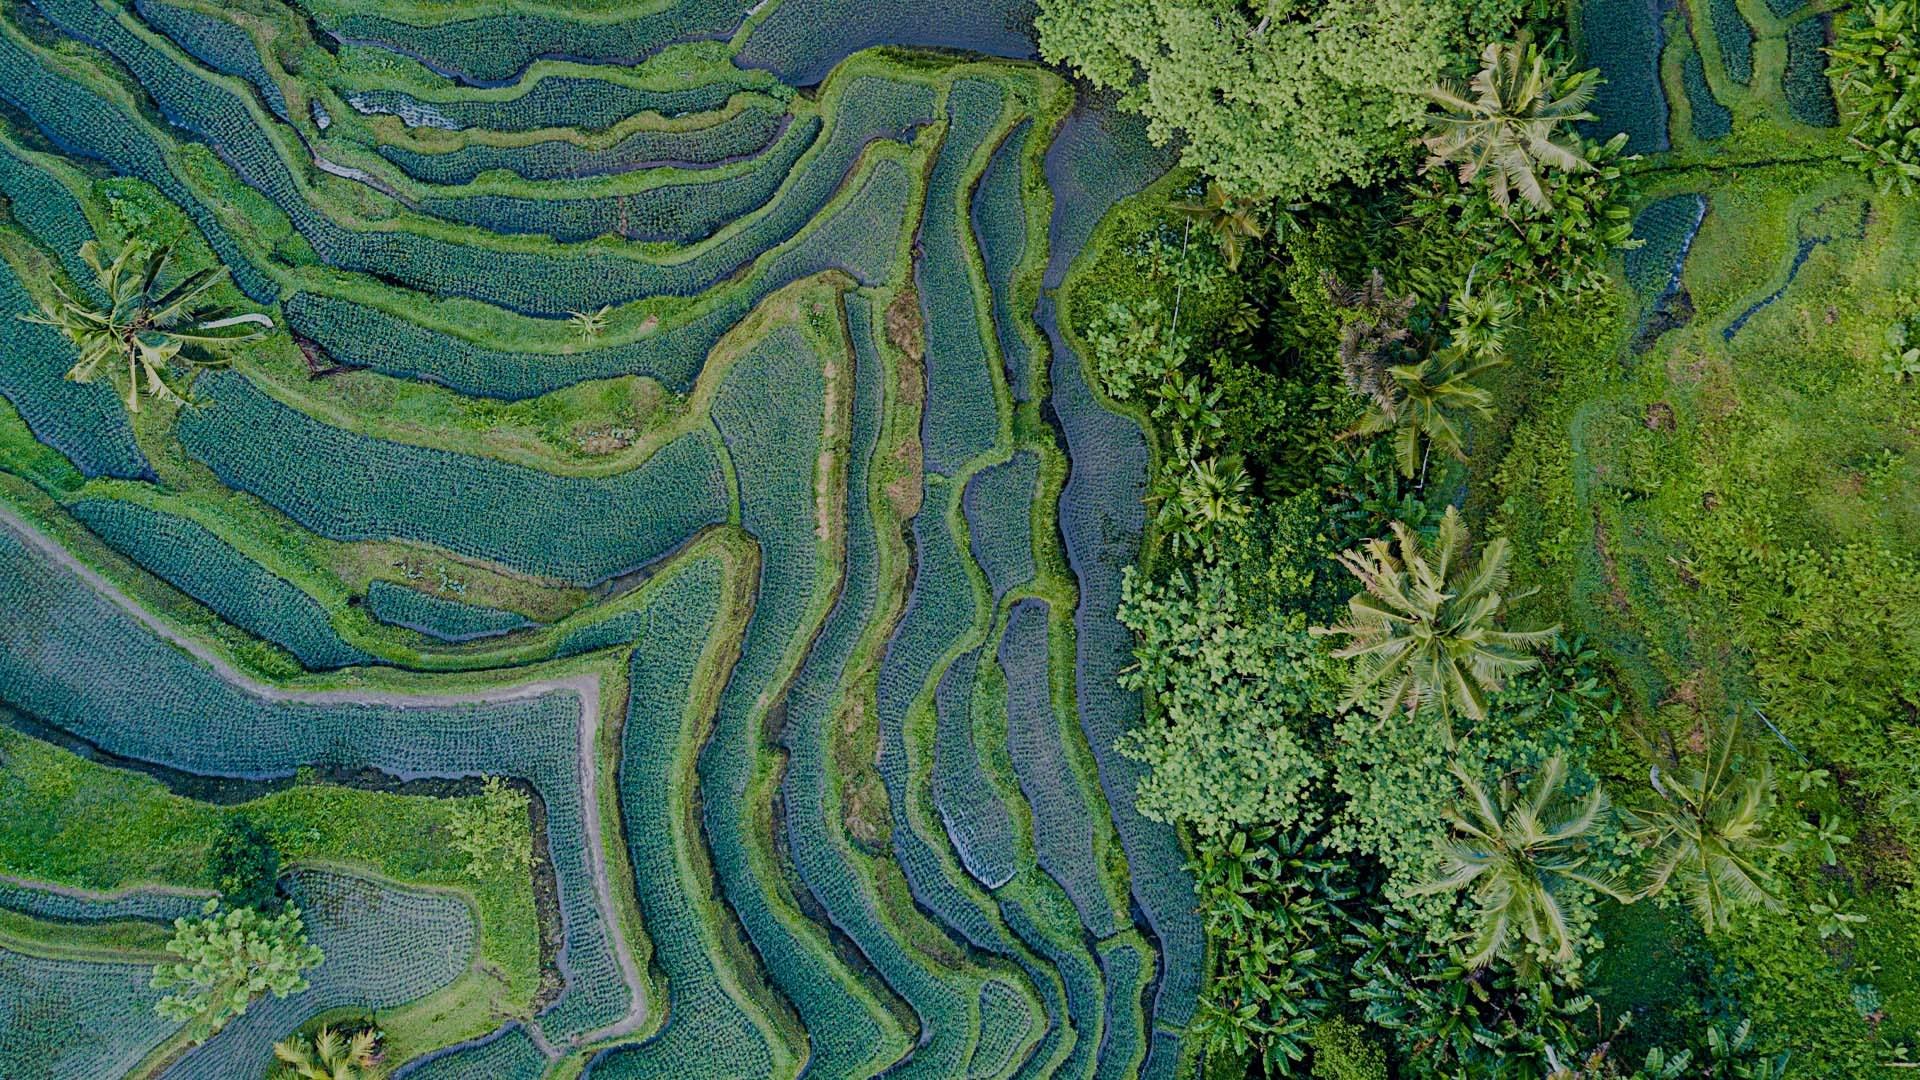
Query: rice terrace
[1010, 538]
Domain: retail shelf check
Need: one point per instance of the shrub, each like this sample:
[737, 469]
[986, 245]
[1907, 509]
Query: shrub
[1343, 1051]
[245, 865]
[493, 832]
[1540, 255]
[1448, 1022]
[1227, 748]
[1272, 907]
[1285, 106]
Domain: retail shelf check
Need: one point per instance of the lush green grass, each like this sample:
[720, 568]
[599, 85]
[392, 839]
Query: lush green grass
[75, 822]
[1720, 513]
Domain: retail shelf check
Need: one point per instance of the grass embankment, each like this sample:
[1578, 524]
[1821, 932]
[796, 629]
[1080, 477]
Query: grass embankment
[1729, 511]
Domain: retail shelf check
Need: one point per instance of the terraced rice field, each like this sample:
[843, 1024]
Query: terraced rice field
[667, 412]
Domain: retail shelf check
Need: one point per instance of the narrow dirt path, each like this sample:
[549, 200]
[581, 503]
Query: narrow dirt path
[585, 687]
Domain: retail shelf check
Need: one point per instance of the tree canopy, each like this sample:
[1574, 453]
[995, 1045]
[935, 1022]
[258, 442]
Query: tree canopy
[229, 958]
[1270, 99]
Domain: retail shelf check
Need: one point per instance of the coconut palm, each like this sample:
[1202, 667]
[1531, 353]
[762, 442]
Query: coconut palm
[1423, 629]
[1523, 856]
[1707, 828]
[1426, 405]
[1233, 220]
[329, 1056]
[1510, 128]
[141, 325]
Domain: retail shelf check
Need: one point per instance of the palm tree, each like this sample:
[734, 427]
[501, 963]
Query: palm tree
[1480, 323]
[1233, 220]
[1510, 127]
[328, 1056]
[590, 324]
[1210, 497]
[1707, 827]
[140, 325]
[1426, 405]
[1423, 629]
[1375, 338]
[1523, 856]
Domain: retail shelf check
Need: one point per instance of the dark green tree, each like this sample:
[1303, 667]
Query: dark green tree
[1269, 99]
[245, 865]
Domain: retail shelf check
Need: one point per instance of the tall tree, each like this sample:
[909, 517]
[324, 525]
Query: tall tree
[1270, 99]
[1426, 405]
[1707, 827]
[1424, 628]
[229, 958]
[1513, 125]
[1523, 856]
[144, 326]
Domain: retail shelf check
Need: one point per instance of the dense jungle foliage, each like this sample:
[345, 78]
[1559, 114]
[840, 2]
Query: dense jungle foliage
[1530, 631]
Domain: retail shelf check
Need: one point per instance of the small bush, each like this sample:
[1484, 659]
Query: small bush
[493, 833]
[245, 866]
[1342, 1051]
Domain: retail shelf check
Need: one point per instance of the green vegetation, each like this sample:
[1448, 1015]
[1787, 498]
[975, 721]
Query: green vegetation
[1521, 854]
[1876, 65]
[1511, 127]
[779, 539]
[1237, 698]
[229, 958]
[1708, 829]
[245, 865]
[330, 1055]
[489, 832]
[1269, 100]
[145, 324]
[1652, 842]
[1423, 627]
